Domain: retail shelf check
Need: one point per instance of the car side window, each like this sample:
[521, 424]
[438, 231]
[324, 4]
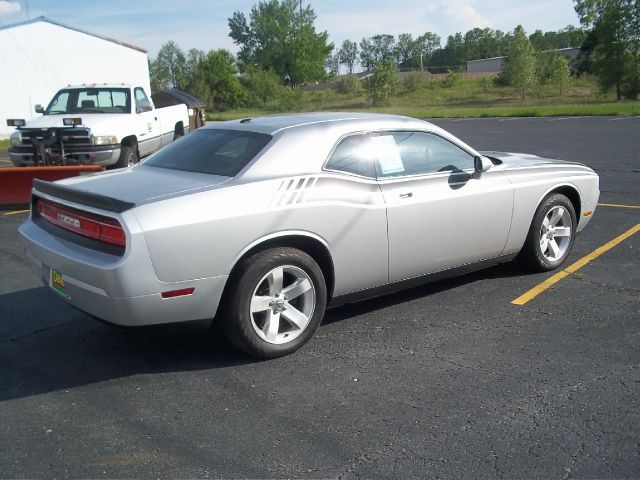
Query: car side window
[140, 96]
[415, 153]
[353, 155]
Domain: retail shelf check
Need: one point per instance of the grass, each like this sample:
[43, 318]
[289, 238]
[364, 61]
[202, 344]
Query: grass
[4, 144]
[470, 98]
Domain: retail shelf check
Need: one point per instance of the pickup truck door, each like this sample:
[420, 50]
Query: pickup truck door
[440, 213]
[148, 125]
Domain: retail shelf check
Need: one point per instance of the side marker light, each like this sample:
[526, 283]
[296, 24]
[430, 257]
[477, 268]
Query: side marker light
[178, 293]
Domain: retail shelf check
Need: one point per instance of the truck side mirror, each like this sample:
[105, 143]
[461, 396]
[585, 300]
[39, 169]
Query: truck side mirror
[143, 106]
[39, 108]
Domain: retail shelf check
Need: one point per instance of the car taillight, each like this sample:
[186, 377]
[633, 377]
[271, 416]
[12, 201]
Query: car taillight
[100, 228]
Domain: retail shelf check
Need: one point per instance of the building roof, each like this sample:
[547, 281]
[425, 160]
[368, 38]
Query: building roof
[485, 59]
[52, 22]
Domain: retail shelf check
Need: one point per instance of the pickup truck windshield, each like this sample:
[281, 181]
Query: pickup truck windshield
[212, 151]
[90, 100]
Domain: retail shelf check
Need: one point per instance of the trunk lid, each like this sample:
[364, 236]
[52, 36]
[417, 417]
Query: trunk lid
[141, 184]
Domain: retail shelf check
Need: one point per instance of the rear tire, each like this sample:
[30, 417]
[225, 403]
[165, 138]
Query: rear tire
[551, 235]
[275, 303]
[128, 157]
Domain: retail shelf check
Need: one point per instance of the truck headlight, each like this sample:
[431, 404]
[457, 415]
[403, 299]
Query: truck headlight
[105, 140]
[16, 139]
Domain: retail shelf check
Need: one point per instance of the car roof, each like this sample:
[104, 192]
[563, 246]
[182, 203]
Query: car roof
[275, 123]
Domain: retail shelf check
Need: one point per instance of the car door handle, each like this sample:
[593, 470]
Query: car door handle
[405, 194]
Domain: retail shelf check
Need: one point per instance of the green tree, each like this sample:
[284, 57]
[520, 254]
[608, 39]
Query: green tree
[405, 50]
[616, 54]
[452, 55]
[570, 36]
[158, 77]
[218, 73]
[520, 68]
[560, 73]
[348, 55]
[169, 66]
[261, 86]
[195, 79]
[384, 83]
[424, 48]
[281, 37]
[333, 63]
[377, 49]
[482, 43]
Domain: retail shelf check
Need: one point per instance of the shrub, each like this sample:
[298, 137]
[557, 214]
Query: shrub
[262, 87]
[350, 85]
[414, 81]
[383, 84]
[451, 80]
[486, 83]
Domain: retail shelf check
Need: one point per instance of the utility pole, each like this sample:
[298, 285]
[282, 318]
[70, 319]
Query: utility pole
[26, 7]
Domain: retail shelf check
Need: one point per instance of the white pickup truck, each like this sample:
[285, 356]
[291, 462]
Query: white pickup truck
[108, 124]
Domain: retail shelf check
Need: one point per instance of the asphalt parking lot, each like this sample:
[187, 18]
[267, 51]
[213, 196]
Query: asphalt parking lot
[449, 380]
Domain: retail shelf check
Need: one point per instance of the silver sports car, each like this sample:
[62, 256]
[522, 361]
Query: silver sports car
[262, 223]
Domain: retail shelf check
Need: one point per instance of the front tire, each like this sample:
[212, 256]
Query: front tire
[128, 157]
[551, 235]
[276, 302]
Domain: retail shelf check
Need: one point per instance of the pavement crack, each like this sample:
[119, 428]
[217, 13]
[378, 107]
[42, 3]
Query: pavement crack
[39, 330]
[477, 369]
[568, 469]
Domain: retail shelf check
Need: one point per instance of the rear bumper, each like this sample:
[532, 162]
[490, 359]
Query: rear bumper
[120, 290]
[23, 156]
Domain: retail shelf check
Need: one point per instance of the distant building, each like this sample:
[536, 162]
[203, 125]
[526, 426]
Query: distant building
[41, 56]
[570, 52]
[496, 64]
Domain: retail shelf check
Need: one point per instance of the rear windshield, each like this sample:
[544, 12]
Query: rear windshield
[212, 151]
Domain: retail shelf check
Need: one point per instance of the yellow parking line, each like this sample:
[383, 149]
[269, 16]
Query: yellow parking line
[618, 206]
[15, 212]
[541, 287]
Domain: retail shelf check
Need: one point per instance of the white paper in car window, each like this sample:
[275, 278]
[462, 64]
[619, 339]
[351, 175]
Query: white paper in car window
[388, 154]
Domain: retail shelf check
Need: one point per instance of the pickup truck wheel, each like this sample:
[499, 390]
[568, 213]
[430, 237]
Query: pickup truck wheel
[276, 304]
[128, 157]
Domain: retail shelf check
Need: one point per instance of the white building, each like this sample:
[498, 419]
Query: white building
[496, 64]
[40, 56]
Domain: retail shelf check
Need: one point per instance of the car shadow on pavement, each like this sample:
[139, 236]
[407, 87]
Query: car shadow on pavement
[504, 270]
[46, 345]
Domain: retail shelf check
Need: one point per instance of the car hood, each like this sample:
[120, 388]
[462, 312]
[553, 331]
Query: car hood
[143, 184]
[512, 160]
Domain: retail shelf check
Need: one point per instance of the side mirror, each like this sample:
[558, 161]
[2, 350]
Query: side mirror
[39, 108]
[481, 164]
[144, 106]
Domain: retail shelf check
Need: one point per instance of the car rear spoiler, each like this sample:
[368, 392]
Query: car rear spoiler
[84, 198]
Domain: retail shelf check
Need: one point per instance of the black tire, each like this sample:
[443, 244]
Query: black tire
[531, 254]
[128, 157]
[241, 326]
[178, 132]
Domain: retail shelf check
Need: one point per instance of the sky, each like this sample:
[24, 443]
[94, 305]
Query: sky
[203, 23]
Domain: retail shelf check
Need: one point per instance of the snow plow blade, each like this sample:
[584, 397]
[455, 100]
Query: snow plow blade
[16, 182]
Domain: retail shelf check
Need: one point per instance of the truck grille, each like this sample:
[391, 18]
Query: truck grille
[71, 137]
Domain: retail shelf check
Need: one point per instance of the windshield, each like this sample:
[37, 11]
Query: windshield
[212, 151]
[90, 100]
